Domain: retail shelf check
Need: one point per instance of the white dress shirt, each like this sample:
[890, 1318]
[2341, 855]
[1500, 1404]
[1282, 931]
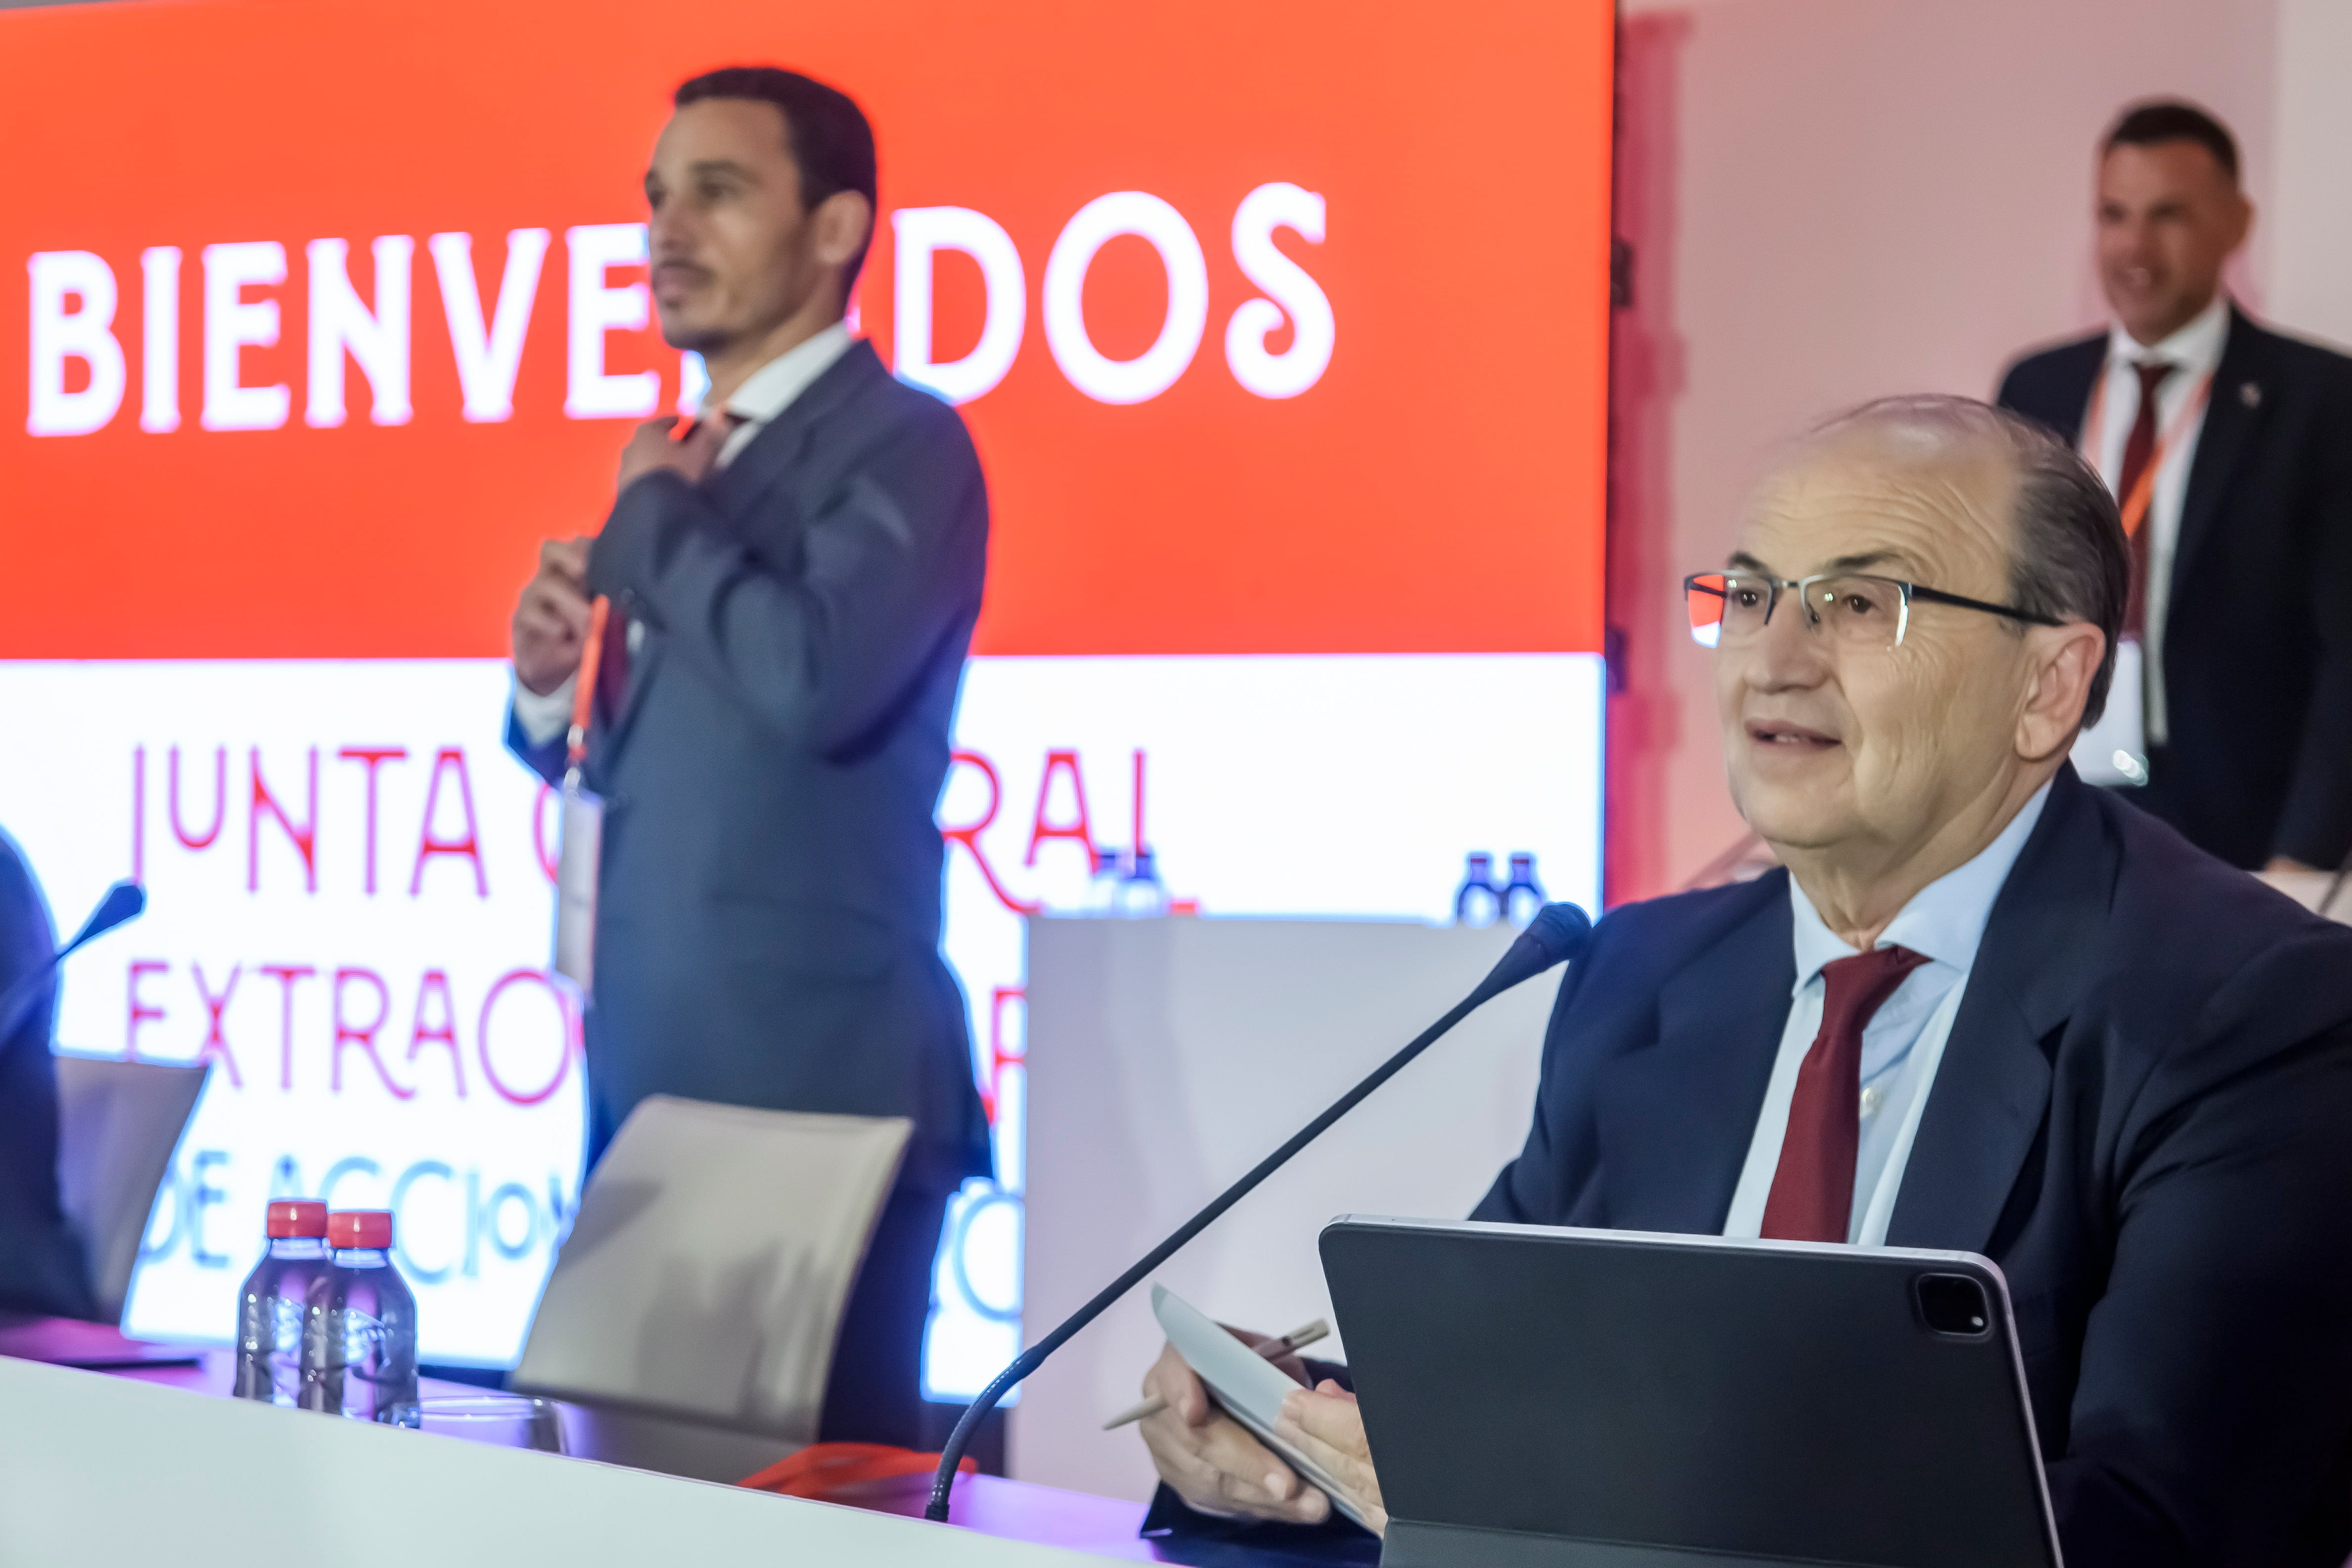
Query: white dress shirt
[766, 393]
[1902, 1045]
[2196, 350]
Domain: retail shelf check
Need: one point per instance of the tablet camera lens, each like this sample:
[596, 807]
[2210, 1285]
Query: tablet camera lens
[1954, 1304]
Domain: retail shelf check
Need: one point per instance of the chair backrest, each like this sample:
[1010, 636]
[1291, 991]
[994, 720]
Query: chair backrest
[706, 1271]
[118, 1124]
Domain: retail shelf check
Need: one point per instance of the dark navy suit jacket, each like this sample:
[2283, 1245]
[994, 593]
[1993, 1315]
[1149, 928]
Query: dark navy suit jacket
[768, 921]
[41, 1265]
[2258, 637]
[2144, 1115]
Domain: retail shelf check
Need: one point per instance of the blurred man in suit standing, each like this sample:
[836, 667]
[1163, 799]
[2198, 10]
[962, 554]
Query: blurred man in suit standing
[2230, 450]
[793, 582]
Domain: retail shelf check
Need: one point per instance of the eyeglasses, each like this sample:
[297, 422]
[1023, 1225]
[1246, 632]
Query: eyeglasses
[1860, 610]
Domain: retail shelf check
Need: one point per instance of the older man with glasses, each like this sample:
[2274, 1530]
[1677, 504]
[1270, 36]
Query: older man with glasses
[1983, 1006]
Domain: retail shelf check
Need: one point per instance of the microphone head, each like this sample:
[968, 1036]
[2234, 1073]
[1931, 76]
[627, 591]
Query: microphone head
[123, 902]
[1562, 930]
[1557, 933]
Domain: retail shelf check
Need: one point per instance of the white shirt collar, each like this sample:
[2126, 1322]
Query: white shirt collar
[2196, 347]
[770, 389]
[1945, 921]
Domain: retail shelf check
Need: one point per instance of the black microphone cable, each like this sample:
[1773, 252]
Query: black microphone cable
[1557, 934]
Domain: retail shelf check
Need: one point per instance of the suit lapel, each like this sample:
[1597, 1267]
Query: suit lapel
[642, 664]
[2232, 417]
[737, 489]
[1991, 1092]
[2078, 370]
[1674, 1121]
[773, 452]
[1983, 1113]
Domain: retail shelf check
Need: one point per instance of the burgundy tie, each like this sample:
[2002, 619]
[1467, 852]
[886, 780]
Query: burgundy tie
[1813, 1190]
[613, 662]
[2138, 450]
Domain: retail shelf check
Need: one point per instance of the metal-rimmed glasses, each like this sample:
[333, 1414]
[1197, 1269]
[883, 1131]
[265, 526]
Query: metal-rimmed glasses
[1860, 610]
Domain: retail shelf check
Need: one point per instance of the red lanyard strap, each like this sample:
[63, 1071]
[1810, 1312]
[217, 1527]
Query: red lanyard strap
[2143, 493]
[584, 691]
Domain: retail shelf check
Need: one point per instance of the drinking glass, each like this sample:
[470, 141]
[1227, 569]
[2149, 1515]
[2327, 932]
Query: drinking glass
[502, 1420]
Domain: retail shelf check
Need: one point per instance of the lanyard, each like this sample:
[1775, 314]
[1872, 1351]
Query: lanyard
[2136, 505]
[584, 691]
[592, 652]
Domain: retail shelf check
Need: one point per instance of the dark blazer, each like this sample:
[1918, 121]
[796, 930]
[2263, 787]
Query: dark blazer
[2258, 634]
[768, 921]
[2144, 1115]
[41, 1265]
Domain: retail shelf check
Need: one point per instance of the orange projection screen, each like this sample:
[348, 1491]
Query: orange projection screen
[246, 451]
[1281, 326]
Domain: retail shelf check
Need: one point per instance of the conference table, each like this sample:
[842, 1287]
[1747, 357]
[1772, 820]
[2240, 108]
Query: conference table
[40, 1357]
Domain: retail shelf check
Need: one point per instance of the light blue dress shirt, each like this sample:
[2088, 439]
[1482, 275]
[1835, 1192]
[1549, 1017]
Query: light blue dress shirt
[1903, 1044]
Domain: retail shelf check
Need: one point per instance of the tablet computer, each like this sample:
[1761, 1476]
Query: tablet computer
[1537, 1396]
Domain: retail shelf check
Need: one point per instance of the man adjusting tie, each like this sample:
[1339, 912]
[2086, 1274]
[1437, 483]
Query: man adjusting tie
[792, 582]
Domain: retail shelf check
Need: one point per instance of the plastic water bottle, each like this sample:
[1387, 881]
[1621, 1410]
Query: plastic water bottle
[1102, 887]
[277, 1294]
[1140, 892]
[358, 1340]
[1523, 896]
[1478, 902]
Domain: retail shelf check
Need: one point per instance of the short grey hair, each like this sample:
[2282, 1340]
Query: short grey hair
[2071, 561]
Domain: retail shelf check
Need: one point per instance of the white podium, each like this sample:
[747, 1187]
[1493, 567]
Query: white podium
[108, 1472]
[1165, 1059]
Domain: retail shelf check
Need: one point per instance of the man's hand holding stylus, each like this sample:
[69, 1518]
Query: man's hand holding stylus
[1218, 1467]
[1323, 1424]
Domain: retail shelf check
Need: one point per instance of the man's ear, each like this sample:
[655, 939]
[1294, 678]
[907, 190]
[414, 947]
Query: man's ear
[843, 222]
[2061, 662]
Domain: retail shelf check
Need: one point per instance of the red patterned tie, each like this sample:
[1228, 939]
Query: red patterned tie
[1813, 1190]
[2138, 449]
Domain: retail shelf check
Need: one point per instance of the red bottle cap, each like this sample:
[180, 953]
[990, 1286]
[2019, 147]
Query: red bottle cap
[359, 1228]
[295, 1217]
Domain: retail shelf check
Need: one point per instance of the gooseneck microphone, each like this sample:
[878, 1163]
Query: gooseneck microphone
[1557, 934]
[123, 902]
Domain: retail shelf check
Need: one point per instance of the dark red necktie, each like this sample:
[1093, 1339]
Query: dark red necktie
[613, 663]
[1812, 1189]
[2137, 451]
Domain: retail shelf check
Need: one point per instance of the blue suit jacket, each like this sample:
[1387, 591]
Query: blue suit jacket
[768, 920]
[2143, 1116]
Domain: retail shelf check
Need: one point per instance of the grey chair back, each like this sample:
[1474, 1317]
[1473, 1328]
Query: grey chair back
[118, 1126]
[706, 1271]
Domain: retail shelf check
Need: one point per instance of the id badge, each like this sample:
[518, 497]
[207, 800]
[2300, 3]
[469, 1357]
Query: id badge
[575, 886]
[2115, 749]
